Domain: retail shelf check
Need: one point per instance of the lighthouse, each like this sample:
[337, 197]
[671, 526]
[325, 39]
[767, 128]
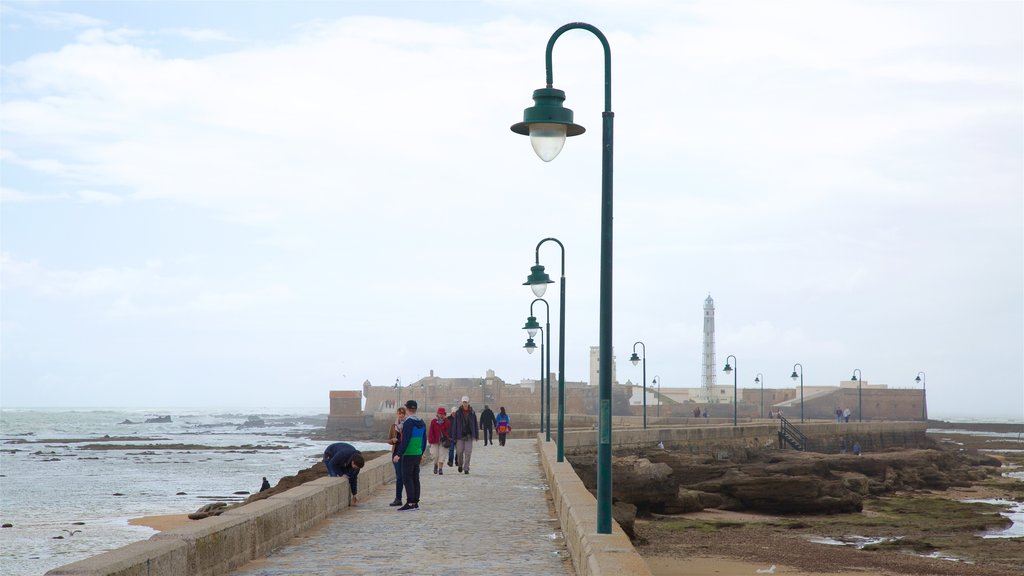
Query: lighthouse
[708, 363]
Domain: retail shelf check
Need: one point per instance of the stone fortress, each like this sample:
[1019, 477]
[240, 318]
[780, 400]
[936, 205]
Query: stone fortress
[352, 410]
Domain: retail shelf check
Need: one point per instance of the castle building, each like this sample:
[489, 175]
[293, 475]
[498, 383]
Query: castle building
[595, 363]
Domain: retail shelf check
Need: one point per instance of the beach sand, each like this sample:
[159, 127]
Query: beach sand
[161, 523]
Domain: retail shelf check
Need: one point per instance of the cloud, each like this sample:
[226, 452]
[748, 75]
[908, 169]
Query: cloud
[201, 34]
[53, 19]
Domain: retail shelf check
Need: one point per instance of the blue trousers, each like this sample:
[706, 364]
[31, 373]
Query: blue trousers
[398, 480]
[411, 478]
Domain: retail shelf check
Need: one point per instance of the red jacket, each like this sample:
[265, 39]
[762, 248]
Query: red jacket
[437, 430]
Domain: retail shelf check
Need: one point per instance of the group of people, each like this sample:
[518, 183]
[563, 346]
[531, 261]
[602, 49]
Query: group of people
[454, 434]
[842, 415]
[412, 439]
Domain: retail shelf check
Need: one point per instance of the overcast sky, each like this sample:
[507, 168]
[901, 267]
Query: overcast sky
[251, 204]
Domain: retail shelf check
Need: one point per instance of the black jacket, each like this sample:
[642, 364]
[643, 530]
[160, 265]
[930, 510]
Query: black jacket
[487, 419]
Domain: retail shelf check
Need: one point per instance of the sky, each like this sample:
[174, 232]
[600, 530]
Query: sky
[254, 203]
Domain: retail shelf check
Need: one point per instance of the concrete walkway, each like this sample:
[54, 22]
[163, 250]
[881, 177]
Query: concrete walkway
[495, 520]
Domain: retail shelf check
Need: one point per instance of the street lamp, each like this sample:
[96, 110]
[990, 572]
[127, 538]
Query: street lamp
[793, 376]
[922, 379]
[548, 123]
[759, 379]
[634, 359]
[657, 379]
[538, 281]
[858, 378]
[398, 390]
[729, 370]
[531, 327]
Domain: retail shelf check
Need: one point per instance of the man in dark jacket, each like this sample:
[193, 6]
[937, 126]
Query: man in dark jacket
[464, 431]
[409, 453]
[342, 459]
[487, 424]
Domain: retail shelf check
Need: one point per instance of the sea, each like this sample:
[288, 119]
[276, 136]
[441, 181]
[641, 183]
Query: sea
[71, 479]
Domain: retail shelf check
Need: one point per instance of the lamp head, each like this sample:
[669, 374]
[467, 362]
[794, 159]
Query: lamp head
[634, 359]
[538, 280]
[531, 326]
[547, 123]
[794, 375]
[727, 369]
[530, 346]
[854, 377]
[918, 379]
[757, 379]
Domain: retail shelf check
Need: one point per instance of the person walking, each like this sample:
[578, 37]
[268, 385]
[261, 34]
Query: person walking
[464, 432]
[504, 425]
[437, 437]
[846, 415]
[487, 425]
[451, 440]
[395, 438]
[342, 459]
[409, 453]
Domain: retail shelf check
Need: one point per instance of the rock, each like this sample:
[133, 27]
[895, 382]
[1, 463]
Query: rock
[686, 501]
[213, 509]
[158, 420]
[7, 525]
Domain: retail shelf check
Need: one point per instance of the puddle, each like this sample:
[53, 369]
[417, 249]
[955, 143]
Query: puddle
[1012, 510]
[857, 542]
[940, 556]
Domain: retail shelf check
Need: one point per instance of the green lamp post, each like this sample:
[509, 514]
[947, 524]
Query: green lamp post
[759, 379]
[538, 281]
[657, 379]
[794, 376]
[859, 379]
[922, 379]
[398, 391]
[634, 359]
[729, 370]
[531, 327]
[548, 123]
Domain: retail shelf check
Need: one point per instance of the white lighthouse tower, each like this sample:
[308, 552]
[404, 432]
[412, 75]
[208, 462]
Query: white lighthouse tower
[708, 364]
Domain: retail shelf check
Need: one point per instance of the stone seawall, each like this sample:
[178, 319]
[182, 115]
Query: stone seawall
[220, 544]
[726, 441]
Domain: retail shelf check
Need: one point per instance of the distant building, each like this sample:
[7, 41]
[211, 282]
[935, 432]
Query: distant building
[595, 362]
[708, 355]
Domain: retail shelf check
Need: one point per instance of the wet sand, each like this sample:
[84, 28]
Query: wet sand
[668, 566]
[161, 523]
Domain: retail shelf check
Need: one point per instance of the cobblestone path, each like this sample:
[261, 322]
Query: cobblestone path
[497, 521]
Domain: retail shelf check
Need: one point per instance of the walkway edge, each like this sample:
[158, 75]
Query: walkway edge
[592, 554]
[220, 544]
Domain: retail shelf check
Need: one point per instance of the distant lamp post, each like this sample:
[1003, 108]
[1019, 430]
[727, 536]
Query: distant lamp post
[538, 281]
[398, 390]
[657, 380]
[531, 327]
[859, 379]
[923, 381]
[729, 370]
[794, 376]
[759, 379]
[634, 359]
[548, 123]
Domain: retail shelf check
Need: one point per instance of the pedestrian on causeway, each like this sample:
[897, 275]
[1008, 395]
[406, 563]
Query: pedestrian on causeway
[487, 425]
[437, 436]
[342, 459]
[504, 425]
[464, 431]
[410, 452]
[395, 438]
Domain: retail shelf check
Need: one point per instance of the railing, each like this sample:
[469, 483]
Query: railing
[790, 434]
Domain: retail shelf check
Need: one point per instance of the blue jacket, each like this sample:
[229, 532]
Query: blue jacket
[338, 459]
[414, 437]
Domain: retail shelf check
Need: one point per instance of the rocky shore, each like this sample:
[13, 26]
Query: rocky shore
[891, 513]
